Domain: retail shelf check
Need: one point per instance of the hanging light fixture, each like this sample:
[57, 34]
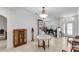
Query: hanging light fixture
[43, 14]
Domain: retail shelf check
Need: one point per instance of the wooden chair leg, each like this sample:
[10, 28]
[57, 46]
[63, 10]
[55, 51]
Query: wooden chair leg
[71, 50]
[48, 43]
[64, 51]
[38, 43]
[44, 44]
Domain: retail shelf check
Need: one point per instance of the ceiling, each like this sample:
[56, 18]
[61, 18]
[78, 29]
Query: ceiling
[54, 11]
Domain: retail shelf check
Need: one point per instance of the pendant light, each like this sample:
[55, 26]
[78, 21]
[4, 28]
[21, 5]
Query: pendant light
[43, 14]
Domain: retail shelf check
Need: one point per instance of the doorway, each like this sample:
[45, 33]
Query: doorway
[3, 32]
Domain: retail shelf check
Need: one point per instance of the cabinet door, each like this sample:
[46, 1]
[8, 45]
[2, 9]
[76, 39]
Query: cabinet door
[25, 36]
[16, 38]
[21, 36]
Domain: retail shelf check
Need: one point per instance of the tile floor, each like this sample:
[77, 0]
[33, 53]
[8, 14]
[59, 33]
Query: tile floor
[3, 44]
[56, 45]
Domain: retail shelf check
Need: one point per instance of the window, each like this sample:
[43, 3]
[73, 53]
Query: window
[69, 29]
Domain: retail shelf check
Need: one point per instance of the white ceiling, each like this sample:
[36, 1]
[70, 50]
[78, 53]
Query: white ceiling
[54, 11]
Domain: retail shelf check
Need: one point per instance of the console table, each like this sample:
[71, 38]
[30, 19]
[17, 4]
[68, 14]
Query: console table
[43, 38]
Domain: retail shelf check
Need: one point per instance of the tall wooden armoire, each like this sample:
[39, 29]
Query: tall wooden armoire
[19, 37]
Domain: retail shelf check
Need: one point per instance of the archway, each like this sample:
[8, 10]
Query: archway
[3, 32]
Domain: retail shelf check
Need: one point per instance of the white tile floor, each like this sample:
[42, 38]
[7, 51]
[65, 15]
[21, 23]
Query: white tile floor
[3, 44]
[56, 45]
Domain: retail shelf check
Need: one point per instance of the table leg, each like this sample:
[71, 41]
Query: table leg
[71, 50]
[38, 43]
[48, 43]
[67, 41]
[44, 44]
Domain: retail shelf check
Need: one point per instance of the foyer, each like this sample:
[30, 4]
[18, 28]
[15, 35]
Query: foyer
[23, 27]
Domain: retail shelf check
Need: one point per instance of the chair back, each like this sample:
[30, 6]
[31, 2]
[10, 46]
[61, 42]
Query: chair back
[77, 37]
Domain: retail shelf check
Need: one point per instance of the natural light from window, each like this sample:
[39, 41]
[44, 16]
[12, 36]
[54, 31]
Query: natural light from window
[69, 29]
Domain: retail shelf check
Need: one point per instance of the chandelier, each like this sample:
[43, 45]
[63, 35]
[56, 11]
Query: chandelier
[43, 14]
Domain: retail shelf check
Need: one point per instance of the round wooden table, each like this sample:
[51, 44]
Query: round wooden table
[43, 38]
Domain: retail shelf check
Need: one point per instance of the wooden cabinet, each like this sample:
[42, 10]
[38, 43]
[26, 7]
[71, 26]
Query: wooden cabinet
[19, 37]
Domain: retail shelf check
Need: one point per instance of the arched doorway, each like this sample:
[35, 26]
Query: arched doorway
[3, 32]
